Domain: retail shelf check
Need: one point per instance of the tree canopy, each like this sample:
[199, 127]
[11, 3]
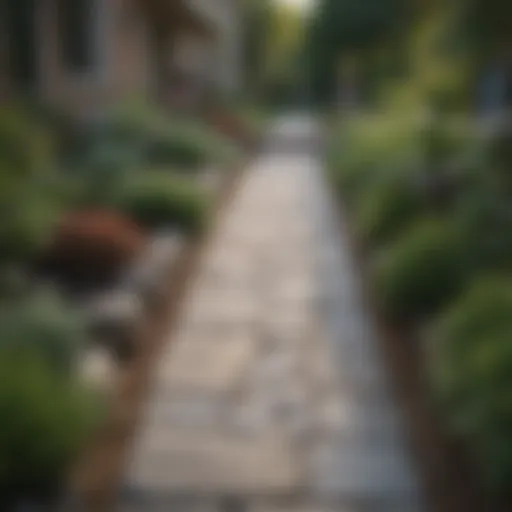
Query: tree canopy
[342, 28]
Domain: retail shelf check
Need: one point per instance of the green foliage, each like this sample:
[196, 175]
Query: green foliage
[27, 207]
[27, 226]
[422, 271]
[471, 369]
[190, 145]
[439, 142]
[482, 210]
[42, 324]
[158, 200]
[348, 27]
[484, 219]
[350, 168]
[257, 16]
[372, 151]
[46, 419]
[25, 146]
[183, 152]
[387, 209]
[484, 25]
[135, 136]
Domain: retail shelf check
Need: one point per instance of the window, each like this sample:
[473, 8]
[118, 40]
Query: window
[77, 33]
[21, 40]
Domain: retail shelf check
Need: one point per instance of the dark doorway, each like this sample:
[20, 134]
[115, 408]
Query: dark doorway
[22, 42]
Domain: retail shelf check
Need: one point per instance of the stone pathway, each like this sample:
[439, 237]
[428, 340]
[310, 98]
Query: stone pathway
[272, 397]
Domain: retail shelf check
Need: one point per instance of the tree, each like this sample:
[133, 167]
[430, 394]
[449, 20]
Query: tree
[282, 64]
[256, 16]
[349, 27]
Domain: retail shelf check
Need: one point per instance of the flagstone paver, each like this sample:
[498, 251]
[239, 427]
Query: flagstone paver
[272, 391]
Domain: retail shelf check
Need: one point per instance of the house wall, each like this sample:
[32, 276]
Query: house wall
[122, 67]
[222, 59]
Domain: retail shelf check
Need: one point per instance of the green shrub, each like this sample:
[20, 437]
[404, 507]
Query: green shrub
[485, 220]
[162, 141]
[25, 146]
[42, 324]
[46, 419]
[387, 209]
[439, 141]
[103, 159]
[157, 201]
[178, 151]
[351, 175]
[369, 150]
[27, 223]
[27, 208]
[471, 370]
[422, 271]
[190, 144]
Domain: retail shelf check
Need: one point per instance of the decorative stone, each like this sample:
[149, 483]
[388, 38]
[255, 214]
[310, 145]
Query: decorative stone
[113, 318]
[99, 369]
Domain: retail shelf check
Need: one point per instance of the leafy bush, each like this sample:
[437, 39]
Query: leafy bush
[439, 141]
[373, 149]
[159, 201]
[42, 324]
[93, 245]
[422, 271]
[180, 151]
[484, 219]
[471, 369]
[27, 207]
[46, 419]
[387, 209]
[160, 141]
[27, 225]
[191, 144]
[25, 146]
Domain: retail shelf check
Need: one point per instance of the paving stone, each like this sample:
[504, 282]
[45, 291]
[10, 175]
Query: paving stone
[208, 367]
[300, 508]
[211, 463]
[359, 470]
[200, 413]
[155, 502]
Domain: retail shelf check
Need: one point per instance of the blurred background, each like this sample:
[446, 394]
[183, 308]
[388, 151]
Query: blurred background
[122, 124]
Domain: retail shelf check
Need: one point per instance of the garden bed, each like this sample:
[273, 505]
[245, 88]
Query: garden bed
[99, 475]
[441, 324]
[97, 243]
[449, 480]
